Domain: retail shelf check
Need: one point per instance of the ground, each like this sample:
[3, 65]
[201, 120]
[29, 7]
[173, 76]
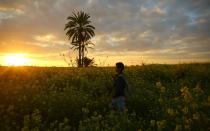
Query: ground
[162, 97]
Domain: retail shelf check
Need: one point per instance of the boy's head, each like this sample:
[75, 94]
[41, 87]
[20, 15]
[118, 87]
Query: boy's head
[119, 67]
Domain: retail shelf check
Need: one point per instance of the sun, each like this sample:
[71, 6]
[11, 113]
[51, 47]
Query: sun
[16, 60]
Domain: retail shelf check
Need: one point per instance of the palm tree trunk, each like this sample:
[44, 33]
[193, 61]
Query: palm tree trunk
[83, 54]
[79, 61]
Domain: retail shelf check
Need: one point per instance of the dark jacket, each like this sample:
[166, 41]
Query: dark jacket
[119, 85]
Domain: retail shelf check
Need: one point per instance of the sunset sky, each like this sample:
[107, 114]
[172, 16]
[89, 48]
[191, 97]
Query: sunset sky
[131, 31]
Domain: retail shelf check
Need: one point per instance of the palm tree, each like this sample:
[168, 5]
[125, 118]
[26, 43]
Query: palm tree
[79, 31]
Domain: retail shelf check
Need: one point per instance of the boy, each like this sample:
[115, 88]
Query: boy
[120, 83]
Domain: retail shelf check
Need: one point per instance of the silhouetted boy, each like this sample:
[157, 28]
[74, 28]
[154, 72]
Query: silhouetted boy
[120, 84]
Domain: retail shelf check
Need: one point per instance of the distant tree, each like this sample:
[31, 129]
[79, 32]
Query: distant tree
[88, 62]
[79, 31]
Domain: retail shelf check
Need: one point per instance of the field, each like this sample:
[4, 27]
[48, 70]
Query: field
[162, 97]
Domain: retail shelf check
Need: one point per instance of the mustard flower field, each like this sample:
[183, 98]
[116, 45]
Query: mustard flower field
[161, 97]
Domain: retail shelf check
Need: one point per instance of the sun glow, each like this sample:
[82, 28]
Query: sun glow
[16, 60]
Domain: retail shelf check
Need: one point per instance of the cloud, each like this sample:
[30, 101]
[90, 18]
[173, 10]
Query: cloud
[8, 13]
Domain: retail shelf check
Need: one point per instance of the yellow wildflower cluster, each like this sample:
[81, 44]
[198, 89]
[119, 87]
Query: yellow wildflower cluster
[161, 124]
[170, 111]
[196, 116]
[178, 127]
[208, 99]
[160, 100]
[186, 94]
[152, 123]
[158, 84]
[160, 87]
[185, 110]
[187, 123]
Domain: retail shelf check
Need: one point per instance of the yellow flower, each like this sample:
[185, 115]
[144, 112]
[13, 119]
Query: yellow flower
[162, 89]
[185, 110]
[176, 98]
[160, 100]
[186, 94]
[178, 127]
[188, 121]
[161, 124]
[176, 112]
[158, 84]
[152, 123]
[196, 116]
[170, 111]
[188, 98]
[187, 126]
[184, 89]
